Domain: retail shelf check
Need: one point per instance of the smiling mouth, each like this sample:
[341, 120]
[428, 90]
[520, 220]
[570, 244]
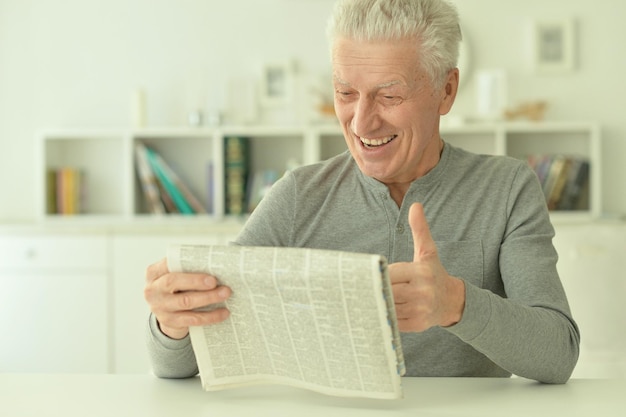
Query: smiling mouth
[374, 143]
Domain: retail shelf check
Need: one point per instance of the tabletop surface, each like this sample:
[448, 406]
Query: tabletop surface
[145, 395]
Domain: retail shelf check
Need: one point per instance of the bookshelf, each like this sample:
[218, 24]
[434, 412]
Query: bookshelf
[113, 191]
[519, 140]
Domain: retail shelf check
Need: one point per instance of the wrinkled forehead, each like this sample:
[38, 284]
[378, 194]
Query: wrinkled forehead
[381, 62]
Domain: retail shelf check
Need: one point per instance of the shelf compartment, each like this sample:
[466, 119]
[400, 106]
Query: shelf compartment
[92, 153]
[190, 154]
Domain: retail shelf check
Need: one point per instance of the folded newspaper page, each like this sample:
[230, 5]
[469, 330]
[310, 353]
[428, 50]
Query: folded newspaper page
[315, 319]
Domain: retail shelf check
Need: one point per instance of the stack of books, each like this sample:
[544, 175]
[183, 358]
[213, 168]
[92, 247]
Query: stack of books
[564, 180]
[243, 188]
[65, 191]
[163, 189]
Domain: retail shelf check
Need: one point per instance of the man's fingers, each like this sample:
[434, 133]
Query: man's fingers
[176, 292]
[176, 325]
[194, 318]
[399, 292]
[191, 300]
[179, 300]
[156, 270]
[423, 243]
[175, 282]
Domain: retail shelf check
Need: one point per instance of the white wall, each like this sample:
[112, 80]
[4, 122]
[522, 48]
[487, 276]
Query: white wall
[74, 63]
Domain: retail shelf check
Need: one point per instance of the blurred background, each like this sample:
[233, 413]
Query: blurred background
[69, 63]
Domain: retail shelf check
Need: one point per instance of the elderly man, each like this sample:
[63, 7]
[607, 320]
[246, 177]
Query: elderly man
[468, 236]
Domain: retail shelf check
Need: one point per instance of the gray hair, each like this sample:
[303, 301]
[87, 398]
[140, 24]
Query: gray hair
[434, 24]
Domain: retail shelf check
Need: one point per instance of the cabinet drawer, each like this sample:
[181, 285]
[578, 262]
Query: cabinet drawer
[36, 252]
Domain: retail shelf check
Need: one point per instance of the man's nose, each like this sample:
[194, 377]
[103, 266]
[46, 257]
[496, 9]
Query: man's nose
[366, 117]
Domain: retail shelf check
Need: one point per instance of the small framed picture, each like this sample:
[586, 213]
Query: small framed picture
[554, 46]
[276, 84]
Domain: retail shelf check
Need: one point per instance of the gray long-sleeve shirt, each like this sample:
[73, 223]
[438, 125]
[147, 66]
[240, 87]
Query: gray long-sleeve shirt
[489, 220]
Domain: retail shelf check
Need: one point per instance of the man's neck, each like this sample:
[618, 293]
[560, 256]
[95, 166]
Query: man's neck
[399, 190]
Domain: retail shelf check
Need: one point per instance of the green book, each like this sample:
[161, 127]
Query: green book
[168, 184]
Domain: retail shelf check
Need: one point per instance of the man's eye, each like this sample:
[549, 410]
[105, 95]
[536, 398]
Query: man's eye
[391, 99]
[344, 94]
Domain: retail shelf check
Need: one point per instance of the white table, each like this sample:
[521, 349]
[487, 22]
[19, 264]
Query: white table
[144, 395]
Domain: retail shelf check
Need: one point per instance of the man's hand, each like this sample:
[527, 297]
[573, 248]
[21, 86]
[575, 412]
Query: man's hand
[173, 298]
[425, 295]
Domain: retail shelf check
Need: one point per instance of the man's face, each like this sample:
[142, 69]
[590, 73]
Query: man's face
[388, 108]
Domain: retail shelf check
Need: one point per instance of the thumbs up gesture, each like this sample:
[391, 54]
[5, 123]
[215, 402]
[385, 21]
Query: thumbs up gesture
[424, 294]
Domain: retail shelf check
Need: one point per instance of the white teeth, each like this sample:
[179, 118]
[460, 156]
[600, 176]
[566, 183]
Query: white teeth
[377, 142]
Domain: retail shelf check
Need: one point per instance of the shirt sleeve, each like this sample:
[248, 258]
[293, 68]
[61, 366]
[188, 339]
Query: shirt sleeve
[530, 332]
[169, 358]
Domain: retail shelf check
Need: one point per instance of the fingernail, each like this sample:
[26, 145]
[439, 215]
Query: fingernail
[223, 292]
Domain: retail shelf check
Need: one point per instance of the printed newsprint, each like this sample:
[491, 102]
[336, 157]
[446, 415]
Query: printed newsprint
[315, 319]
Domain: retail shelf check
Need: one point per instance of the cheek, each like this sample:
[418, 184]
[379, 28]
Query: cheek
[342, 111]
[405, 117]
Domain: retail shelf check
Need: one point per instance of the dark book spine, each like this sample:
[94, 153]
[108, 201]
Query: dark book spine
[236, 170]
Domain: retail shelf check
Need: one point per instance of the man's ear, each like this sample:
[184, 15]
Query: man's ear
[449, 90]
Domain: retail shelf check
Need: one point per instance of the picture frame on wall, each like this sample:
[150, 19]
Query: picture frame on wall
[276, 86]
[554, 44]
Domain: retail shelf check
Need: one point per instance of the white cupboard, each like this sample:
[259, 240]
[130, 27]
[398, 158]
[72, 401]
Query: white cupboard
[132, 253]
[54, 302]
[73, 301]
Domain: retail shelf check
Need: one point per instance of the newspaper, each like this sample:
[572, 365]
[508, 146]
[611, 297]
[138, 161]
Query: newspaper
[316, 319]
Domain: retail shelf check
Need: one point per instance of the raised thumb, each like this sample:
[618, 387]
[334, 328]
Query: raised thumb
[423, 243]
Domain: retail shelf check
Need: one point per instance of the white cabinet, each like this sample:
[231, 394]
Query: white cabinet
[132, 253]
[113, 192]
[54, 303]
[591, 264]
[73, 301]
